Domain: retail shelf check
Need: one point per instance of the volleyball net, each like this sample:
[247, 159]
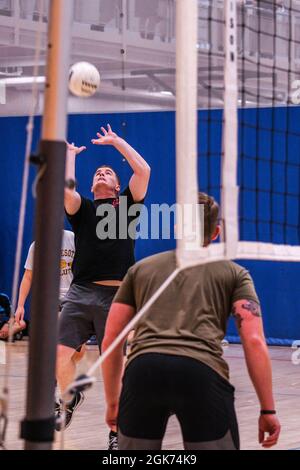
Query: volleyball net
[248, 127]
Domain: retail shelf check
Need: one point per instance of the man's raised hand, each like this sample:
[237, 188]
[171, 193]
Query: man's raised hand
[108, 137]
[72, 148]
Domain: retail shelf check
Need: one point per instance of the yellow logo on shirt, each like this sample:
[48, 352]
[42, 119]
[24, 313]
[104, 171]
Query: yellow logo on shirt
[64, 264]
[65, 267]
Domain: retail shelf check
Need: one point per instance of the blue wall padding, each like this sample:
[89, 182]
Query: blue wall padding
[153, 135]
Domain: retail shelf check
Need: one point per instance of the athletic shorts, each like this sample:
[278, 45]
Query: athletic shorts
[84, 312]
[158, 385]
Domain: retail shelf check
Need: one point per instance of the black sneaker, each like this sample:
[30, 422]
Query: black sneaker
[112, 441]
[70, 408]
[57, 407]
[57, 415]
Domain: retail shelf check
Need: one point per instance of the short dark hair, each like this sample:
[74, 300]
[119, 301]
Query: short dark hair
[108, 166]
[211, 215]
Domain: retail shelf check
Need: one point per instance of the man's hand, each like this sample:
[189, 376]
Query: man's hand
[19, 315]
[72, 148]
[268, 424]
[111, 416]
[108, 137]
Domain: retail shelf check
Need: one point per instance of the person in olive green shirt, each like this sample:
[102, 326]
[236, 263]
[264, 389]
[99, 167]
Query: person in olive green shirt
[176, 362]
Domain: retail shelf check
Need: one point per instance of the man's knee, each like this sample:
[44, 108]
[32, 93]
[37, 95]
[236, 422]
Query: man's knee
[79, 353]
[64, 355]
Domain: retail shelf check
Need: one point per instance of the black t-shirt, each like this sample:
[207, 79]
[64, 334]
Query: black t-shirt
[102, 259]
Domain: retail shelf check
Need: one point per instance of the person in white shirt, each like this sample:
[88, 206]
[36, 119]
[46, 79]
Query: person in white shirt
[66, 276]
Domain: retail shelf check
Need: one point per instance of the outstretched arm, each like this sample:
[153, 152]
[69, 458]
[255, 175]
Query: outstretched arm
[141, 170]
[23, 294]
[72, 197]
[247, 314]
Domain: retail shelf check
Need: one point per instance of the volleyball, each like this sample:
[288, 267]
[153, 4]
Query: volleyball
[84, 79]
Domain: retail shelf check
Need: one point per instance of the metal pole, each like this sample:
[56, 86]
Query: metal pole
[186, 120]
[38, 426]
[230, 190]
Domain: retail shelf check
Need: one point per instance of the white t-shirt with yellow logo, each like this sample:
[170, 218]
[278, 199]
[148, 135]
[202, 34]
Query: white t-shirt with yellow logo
[66, 260]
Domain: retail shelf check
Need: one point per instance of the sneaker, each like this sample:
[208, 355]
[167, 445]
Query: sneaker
[112, 441]
[57, 407]
[58, 415]
[71, 407]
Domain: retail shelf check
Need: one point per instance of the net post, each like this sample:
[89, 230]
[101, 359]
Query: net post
[230, 191]
[186, 120]
[38, 427]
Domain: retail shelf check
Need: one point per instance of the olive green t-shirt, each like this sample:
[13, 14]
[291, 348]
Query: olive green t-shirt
[190, 317]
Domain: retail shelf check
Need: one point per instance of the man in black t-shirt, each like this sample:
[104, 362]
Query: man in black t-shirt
[104, 253]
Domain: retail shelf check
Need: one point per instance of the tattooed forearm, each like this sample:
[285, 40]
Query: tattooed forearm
[252, 307]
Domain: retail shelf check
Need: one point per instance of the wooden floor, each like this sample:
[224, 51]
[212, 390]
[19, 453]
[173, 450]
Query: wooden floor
[88, 429]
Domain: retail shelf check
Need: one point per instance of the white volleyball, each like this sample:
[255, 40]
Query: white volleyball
[84, 79]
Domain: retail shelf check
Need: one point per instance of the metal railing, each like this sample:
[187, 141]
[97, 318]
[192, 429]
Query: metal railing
[155, 20]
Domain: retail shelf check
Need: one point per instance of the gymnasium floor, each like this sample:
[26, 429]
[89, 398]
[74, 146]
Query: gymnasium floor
[88, 430]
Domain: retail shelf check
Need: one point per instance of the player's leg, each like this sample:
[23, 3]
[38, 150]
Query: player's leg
[75, 327]
[103, 297]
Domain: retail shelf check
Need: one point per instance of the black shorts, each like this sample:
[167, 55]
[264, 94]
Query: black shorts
[158, 385]
[84, 312]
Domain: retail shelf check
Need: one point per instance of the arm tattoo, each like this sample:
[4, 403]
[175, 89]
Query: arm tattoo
[252, 307]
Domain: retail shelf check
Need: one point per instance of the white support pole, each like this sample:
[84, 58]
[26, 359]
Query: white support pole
[186, 122]
[229, 201]
[56, 91]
